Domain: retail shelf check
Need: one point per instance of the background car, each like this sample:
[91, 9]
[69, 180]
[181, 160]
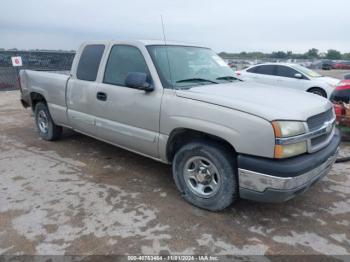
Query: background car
[327, 65]
[321, 64]
[347, 76]
[291, 76]
[342, 65]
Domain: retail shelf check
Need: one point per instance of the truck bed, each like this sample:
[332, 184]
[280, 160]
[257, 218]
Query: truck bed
[51, 85]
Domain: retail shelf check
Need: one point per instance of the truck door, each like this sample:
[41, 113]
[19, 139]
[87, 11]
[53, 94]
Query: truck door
[81, 89]
[126, 116]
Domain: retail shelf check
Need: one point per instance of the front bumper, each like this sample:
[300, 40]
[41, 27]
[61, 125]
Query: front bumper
[270, 180]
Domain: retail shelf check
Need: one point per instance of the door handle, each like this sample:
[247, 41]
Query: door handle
[101, 96]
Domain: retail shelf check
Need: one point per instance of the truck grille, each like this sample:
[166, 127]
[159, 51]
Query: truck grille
[315, 122]
[318, 140]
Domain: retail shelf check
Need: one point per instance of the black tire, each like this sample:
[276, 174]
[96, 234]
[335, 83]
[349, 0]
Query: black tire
[318, 91]
[224, 161]
[53, 131]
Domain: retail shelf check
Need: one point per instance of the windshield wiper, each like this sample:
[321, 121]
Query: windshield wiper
[196, 80]
[228, 78]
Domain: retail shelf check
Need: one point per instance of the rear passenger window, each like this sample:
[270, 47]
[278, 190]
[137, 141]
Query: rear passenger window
[285, 71]
[89, 62]
[253, 69]
[122, 60]
[266, 70]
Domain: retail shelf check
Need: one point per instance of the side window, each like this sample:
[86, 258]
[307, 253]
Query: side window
[253, 69]
[122, 60]
[285, 71]
[89, 62]
[266, 70]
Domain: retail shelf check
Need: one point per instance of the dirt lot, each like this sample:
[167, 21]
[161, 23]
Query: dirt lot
[81, 196]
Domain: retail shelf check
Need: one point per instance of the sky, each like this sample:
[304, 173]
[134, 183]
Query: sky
[223, 25]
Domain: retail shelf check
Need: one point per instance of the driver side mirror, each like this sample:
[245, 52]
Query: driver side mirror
[139, 81]
[298, 75]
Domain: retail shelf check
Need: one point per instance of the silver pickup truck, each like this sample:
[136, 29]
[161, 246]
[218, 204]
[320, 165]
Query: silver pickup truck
[182, 105]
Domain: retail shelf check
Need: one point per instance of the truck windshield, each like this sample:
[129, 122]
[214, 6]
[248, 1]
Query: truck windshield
[182, 67]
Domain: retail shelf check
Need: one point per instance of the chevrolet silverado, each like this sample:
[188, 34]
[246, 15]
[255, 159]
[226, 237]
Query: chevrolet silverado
[182, 105]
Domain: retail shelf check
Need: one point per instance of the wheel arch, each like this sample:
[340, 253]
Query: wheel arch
[35, 98]
[319, 88]
[181, 136]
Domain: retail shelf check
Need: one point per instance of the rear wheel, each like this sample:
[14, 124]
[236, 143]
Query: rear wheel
[318, 91]
[47, 129]
[205, 174]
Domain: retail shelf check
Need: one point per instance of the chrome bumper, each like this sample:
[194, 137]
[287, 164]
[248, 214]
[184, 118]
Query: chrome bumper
[259, 182]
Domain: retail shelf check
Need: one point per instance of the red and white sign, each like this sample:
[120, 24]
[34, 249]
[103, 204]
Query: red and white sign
[16, 61]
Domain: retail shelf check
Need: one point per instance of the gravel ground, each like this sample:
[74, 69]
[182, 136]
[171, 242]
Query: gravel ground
[79, 196]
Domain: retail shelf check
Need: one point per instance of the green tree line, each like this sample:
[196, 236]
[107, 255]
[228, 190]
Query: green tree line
[312, 53]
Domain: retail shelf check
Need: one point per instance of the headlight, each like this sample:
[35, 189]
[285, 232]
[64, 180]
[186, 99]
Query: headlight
[288, 128]
[284, 129]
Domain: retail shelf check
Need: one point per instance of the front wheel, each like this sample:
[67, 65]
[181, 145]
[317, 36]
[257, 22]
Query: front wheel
[205, 174]
[47, 129]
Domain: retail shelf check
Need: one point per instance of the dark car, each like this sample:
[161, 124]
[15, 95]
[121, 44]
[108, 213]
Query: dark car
[347, 76]
[327, 65]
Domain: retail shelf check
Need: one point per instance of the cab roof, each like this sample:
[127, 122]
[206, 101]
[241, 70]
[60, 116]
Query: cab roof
[141, 42]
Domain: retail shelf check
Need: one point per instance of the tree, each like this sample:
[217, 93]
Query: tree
[243, 54]
[279, 54]
[333, 54]
[346, 56]
[312, 53]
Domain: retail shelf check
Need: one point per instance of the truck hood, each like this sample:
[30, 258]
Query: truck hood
[269, 102]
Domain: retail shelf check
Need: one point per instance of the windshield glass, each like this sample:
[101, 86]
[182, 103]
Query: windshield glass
[307, 71]
[184, 66]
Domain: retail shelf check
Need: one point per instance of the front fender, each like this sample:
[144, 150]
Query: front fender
[247, 133]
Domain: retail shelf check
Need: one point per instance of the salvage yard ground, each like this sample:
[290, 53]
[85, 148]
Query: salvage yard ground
[81, 196]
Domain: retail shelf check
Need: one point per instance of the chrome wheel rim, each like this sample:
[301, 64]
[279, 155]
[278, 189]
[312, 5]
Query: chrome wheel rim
[202, 177]
[43, 122]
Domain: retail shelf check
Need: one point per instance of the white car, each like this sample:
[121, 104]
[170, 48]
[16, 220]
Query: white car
[290, 75]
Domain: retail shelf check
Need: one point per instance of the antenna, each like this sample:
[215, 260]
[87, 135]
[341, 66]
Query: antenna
[163, 28]
[166, 51]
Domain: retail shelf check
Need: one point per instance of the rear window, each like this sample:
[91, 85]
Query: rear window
[89, 62]
[266, 70]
